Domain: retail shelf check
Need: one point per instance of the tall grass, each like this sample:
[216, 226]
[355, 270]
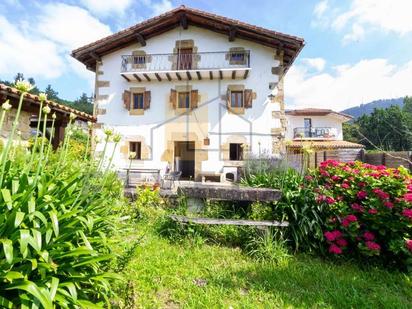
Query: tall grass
[55, 214]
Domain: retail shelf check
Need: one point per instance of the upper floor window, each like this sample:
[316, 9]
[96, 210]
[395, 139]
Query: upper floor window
[183, 99]
[139, 59]
[138, 101]
[236, 99]
[237, 57]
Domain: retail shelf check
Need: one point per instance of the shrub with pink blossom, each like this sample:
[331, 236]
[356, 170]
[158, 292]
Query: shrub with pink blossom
[368, 210]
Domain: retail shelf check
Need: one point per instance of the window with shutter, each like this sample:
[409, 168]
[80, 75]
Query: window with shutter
[126, 99]
[183, 99]
[194, 96]
[147, 99]
[173, 98]
[248, 98]
[236, 99]
[138, 101]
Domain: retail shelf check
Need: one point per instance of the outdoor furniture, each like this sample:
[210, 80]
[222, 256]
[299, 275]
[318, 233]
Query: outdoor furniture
[151, 176]
[170, 178]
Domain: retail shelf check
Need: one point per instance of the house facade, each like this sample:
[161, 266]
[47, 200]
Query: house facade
[191, 91]
[320, 131]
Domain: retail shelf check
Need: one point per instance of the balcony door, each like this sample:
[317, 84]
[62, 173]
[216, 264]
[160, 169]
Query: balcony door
[184, 58]
[308, 127]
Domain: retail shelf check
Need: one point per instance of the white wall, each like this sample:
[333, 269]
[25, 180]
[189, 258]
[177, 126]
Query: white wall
[317, 121]
[257, 119]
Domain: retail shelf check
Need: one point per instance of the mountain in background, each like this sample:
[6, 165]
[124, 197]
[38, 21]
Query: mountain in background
[368, 108]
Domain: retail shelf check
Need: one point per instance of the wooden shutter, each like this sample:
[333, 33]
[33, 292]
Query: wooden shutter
[173, 98]
[194, 98]
[127, 95]
[228, 98]
[248, 98]
[146, 99]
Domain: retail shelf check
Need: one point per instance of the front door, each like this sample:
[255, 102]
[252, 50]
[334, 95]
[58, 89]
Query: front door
[185, 58]
[185, 159]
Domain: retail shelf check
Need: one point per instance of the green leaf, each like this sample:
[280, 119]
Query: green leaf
[85, 240]
[37, 241]
[31, 205]
[31, 288]
[55, 222]
[19, 218]
[71, 288]
[8, 250]
[53, 287]
[4, 303]
[7, 198]
[12, 275]
[24, 241]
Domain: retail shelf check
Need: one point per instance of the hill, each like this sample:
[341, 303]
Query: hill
[368, 108]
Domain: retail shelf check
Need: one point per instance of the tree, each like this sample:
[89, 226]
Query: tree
[51, 93]
[407, 105]
[19, 76]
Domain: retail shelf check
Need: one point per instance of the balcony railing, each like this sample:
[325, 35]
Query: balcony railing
[315, 132]
[185, 61]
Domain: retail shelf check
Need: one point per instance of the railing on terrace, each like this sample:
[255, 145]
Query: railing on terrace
[315, 132]
[186, 61]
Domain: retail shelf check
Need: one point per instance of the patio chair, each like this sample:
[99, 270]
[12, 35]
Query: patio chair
[170, 178]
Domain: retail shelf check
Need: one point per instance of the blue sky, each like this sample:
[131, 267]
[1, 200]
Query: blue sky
[356, 50]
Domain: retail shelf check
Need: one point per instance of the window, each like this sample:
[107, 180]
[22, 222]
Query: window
[236, 99]
[138, 101]
[136, 147]
[236, 152]
[183, 100]
[238, 57]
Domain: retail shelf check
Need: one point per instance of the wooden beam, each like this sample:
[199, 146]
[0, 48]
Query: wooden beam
[141, 39]
[199, 76]
[158, 77]
[125, 77]
[220, 74]
[188, 75]
[233, 74]
[183, 21]
[211, 75]
[246, 74]
[147, 77]
[232, 33]
[95, 56]
[213, 221]
[178, 76]
[137, 77]
[169, 78]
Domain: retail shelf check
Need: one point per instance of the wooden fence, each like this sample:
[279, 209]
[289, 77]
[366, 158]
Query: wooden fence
[392, 159]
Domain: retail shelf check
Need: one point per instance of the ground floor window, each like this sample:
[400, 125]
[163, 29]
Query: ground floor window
[236, 152]
[136, 147]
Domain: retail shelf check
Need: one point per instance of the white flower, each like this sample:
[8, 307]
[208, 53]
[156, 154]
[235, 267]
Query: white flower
[46, 110]
[97, 140]
[132, 155]
[23, 86]
[108, 132]
[90, 124]
[117, 138]
[42, 97]
[72, 116]
[54, 116]
[6, 106]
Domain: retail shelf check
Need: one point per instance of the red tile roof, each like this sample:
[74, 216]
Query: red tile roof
[290, 45]
[322, 144]
[315, 112]
[10, 92]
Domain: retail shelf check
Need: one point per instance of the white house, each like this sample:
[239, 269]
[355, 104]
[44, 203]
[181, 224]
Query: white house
[191, 90]
[321, 131]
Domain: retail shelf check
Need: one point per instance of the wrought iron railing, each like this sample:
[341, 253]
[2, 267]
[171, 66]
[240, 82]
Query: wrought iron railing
[185, 61]
[315, 132]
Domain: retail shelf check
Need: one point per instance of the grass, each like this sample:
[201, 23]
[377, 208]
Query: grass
[162, 274]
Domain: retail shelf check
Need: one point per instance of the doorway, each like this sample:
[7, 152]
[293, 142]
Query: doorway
[184, 60]
[184, 159]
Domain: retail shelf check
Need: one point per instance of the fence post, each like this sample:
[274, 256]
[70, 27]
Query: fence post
[384, 158]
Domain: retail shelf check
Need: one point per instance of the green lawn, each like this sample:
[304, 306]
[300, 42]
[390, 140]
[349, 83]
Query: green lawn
[168, 275]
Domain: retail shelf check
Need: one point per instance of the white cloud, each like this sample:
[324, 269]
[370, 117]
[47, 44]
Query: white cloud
[316, 63]
[357, 34]
[21, 52]
[106, 7]
[161, 7]
[321, 8]
[348, 85]
[70, 26]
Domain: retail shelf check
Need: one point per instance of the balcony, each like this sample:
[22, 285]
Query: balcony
[186, 66]
[315, 133]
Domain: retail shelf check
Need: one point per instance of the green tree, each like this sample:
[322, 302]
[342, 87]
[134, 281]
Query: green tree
[51, 93]
[19, 76]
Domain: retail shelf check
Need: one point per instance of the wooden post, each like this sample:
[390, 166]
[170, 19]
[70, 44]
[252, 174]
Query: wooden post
[60, 128]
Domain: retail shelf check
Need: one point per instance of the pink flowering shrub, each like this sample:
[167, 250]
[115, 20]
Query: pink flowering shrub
[368, 210]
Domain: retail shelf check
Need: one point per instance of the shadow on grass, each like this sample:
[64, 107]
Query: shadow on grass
[309, 282]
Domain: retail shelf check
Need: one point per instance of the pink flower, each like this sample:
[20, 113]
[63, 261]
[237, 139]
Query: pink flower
[407, 213]
[388, 204]
[330, 200]
[373, 211]
[308, 177]
[408, 244]
[341, 242]
[351, 218]
[409, 187]
[335, 178]
[333, 235]
[321, 198]
[345, 185]
[361, 195]
[382, 195]
[408, 197]
[373, 246]
[368, 236]
[345, 223]
[357, 207]
[335, 249]
[361, 184]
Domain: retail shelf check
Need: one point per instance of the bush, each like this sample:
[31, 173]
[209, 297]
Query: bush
[368, 208]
